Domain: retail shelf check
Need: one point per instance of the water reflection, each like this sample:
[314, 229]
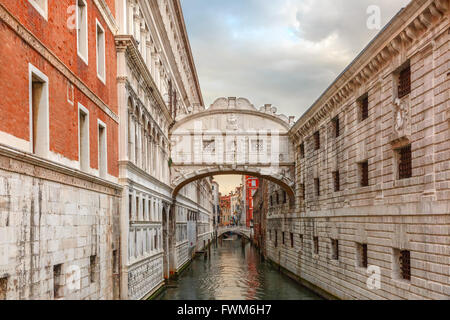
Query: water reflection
[235, 272]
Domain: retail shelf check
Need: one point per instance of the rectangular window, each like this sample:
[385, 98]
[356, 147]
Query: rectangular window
[302, 151]
[115, 263]
[337, 182]
[137, 209]
[402, 267]
[284, 197]
[404, 163]
[130, 207]
[83, 123]
[317, 140]
[292, 240]
[3, 288]
[41, 6]
[335, 249]
[404, 82]
[317, 186]
[361, 251]
[82, 30]
[276, 238]
[57, 281]
[301, 241]
[93, 268]
[316, 245]
[102, 151]
[303, 191]
[364, 107]
[336, 127]
[364, 174]
[39, 112]
[283, 238]
[101, 64]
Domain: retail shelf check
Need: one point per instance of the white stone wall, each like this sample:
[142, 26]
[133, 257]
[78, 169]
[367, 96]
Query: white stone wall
[390, 214]
[45, 223]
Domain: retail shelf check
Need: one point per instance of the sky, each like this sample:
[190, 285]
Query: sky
[279, 52]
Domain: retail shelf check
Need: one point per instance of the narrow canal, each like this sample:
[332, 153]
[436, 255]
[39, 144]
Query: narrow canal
[233, 272]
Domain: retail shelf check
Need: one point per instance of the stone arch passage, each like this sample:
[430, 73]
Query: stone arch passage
[233, 137]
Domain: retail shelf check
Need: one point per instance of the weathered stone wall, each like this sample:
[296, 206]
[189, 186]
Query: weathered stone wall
[59, 235]
[390, 214]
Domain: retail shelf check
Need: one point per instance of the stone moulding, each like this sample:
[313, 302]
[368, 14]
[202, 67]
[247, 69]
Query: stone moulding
[27, 164]
[107, 15]
[127, 43]
[52, 59]
[411, 22]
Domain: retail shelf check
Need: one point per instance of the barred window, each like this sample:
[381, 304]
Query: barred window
[292, 240]
[276, 238]
[404, 82]
[405, 162]
[302, 151]
[364, 107]
[361, 250]
[337, 182]
[336, 126]
[284, 197]
[364, 173]
[303, 191]
[402, 260]
[317, 186]
[335, 249]
[316, 245]
[283, 237]
[317, 140]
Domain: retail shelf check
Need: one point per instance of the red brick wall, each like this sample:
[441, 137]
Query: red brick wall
[16, 54]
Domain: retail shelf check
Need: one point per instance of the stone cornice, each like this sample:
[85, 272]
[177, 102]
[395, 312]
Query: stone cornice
[27, 164]
[403, 30]
[40, 48]
[128, 42]
[107, 15]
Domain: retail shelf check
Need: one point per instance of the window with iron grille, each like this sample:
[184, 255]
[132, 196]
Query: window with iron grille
[3, 288]
[404, 82]
[335, 249]
[317, 140]
[292, 240]
[337, 182]
[302, 151]
[364, 174]
[317, 186]
[276, 238]
[364, 107]
[405, 162]
[336, 126]
[402, 260]
[283, 237]
[316, 245]
[361, 250]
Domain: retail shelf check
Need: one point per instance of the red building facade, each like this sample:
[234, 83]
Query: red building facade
[252, 185]
[59, 147]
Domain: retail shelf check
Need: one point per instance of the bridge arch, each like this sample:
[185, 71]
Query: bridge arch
[232, 137]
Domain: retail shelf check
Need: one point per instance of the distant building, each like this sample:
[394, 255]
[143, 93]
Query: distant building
[216, 203]
[251, 185]
[225, 210]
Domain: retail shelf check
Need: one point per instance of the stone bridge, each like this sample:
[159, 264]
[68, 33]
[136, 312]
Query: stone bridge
[242, 231]
[232, 137]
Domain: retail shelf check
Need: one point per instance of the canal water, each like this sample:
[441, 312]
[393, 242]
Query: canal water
[233, 272]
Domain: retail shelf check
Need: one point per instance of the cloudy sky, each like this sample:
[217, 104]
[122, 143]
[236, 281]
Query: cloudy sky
[282, 52]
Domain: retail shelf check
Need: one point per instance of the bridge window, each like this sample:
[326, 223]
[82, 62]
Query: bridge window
[336, 126]
[317, 186]
[363, 103]
[337, 182]
[402, 264]
[404, 162]
[404, 81]
[3, 288]
[316, 245]
[257, 145]
[335, 249]
[209, 146]
[364, 174]
[292, 240]
[317, 140]
[361, 251]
